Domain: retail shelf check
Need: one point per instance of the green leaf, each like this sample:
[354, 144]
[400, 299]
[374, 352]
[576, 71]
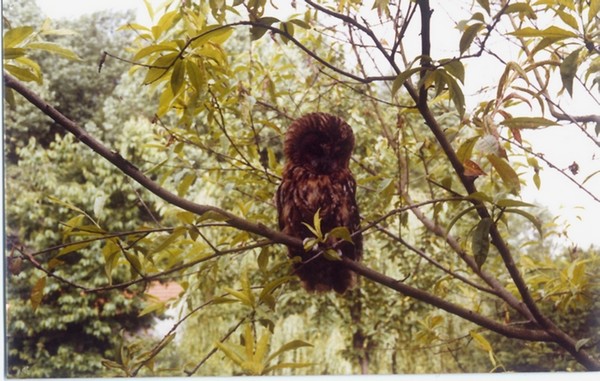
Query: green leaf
[465, 150]
[73, 247]
[480, 241]
[37, 293]
[580, 343]
[507, 203]
[9, 96]
[332, 255]
[15, 36]
[166, 21]
[402, 77]
[160, 67]
[230, 353]
[568, 70]
[458, 217]
[212, 216]
[480, 196]
[54, 48]
[153, 49]
[22, 74]
[593, 10]
[262, 346]
[527, 122]
[164, 244]
[196, 75]
[271, 286]
[456, 94]
[506, 172]
[152, 307]
[455, 68]
[536, 180]
[340, 232]
[485, 4]
[567, 18]
[309, 243]
[523, 9]
[245, 299]
[12, 53]
[110, 253]
[316, 228]
[302, 24]
[534, 220]
[290, 346]
[552, 32]
[185, 184]
[590, 176]
[468, 36]
[483, 343]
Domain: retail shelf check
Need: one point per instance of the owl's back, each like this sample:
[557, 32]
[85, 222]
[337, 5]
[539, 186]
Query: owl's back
[299, 196]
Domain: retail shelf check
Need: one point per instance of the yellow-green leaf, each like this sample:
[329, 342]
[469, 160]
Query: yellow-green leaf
[485, 4]
[341, 232]
[527, 122]
[480, 241]
[230, 353]
[506, 172]
[152, 307]
[468, 36]
[54, 48]
[523, 9]
[402, 77]
[15, 36]
[552, 32]
[12, 53]
[153, 49]
[332, 255]
[196, 74]
[483, 343]
[465, 150]
[594, 8]
[239, 295]
[73, 247]
[568, 70]
[177, 232]
[37, 293]
[455, 68]
[505, 203]
[22, 74]
[294, 344]
[534, 220]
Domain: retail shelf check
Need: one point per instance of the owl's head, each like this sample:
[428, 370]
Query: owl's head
[319, 142]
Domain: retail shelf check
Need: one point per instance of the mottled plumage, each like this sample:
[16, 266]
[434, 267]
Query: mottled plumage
[316, 176]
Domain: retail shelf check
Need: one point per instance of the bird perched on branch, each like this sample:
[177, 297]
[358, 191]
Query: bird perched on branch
[316, 201]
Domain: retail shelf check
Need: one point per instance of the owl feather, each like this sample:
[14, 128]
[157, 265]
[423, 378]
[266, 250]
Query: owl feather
[317, 178]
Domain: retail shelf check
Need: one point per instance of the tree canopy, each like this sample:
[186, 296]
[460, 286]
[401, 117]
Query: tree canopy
[139, 154]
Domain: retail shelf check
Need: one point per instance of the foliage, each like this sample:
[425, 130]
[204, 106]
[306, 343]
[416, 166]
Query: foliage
[450, 269]
[56, 330]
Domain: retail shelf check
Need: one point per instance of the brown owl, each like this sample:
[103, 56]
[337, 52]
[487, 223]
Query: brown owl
[316, 177]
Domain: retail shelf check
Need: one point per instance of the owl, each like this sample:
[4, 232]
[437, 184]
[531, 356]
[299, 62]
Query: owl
[316, 177]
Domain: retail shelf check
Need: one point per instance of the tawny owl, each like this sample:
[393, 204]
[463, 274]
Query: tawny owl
[316, 177]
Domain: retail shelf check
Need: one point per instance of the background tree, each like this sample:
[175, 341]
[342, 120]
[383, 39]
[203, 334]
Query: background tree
[67, 332]
[445, 271]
